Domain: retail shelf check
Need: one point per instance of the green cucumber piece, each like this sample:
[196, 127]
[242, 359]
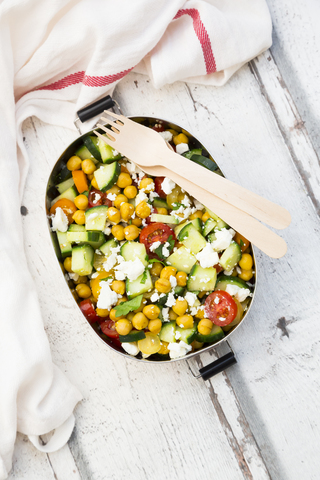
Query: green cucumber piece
[225, 280]
[132, 250]
[230, 257]
[82, 260]
[108, 154]
[196, 222]
[95, 239]
[178, 292]
[65, 246]
[84, 154]
[74, 227]
[159, 202]
[136, 287]
[156, 217]
[202, 279]
[195, 151]
[191, 238]
[204, 162]
[107, 175]
[106, 247]
[187, 335]
[133, 336]
[182, 260]
[220, 223]
[63, 175]
[168, 332]
[63, 186]
[208, 226]
[70, 194]
[214, 336]
[96, 218]
[92, 145]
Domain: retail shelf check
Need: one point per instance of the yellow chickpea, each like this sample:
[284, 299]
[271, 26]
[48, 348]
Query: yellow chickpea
[74, 163]
[102, 312]
[131, 232]
[79, 217]
[130, 191]
[123, 326]
[196, 345]
[94, 183]
[185, 321]
[118, 232]
[119, 200]
[81, 279]
[200, 314]
[155, 269]
[181, 138]
[151, 311]
[140, 321]
[114, 215]
[164, 348]
[90, 176]
[197, 214]
[118, 286]
[147, 183]
[136, 221]
[115, 189]
[162, 211]
[181, 279]
[167, 272]
[143, 210]
[163, 285]
[246, 275]
[180, 307]
[124, 180]
[172, 315]
[81, 202]
[205, 217]
[83, 290]
[121, 300]
[246, 261]
[205, 326]
[130, 316]
[126, 211]
[112, 315]
[155, 325]
[88, 166]
[67, 264]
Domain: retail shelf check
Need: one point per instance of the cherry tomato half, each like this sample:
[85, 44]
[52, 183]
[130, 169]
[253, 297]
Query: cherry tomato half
[88, 311]
[155, 232]
[108, 327]
[220, 308]
[158, 186]
[97, 198]
[67, 206]
[158, 127]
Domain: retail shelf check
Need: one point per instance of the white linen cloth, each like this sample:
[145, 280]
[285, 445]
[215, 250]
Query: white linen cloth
[66, 54]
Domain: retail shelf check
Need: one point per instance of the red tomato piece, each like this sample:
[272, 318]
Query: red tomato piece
[220, 308]
[88, 310]
[108, 327]
[95, 198]
[157, 185]
[155, 232]
[158, 127]
[218, 267]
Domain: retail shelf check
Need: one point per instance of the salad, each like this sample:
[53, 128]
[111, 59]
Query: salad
[155, 272]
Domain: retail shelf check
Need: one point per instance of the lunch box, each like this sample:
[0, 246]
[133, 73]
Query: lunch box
[83, 115]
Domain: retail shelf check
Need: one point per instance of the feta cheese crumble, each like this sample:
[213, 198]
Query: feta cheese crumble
[178, 349]
[170, 300]
[207, 257]
[191, 298]
[173, 281]
[154, 246]
[154, 297]
[181, 148]
[107, 297]
[131, 269]
[239, 293]
[165, 249]
[223, 239]
[131, 348]
[167, 185]
[166, 135]
[59, 221]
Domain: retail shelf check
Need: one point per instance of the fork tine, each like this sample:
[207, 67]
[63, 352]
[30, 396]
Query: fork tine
[106, 129]
[110, 122]
[110, 137]
[115, 115]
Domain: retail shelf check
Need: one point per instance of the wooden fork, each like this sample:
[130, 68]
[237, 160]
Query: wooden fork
[147, 148]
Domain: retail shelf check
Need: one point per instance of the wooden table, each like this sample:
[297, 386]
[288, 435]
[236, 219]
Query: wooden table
[259, 419]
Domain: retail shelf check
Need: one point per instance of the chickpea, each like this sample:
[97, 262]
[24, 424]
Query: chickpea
[181, 138]
[83, 290]
[156, 269]
[118, 286]
[115, 189]
[180, 307]
[124, 169]
[67, 264]
[81, 279]
[131, 232]
[94, 183]
[172, 198]
[234, 273]
[196, 345]
[201, 294]
[130, 191]
[113, 317]
[155, 325]
[81, 202]
[140, 321]
[151, 311]
[172, 315]
[90, 176]
[143, 210]
[162, 211]
[163, 285]
[205, 326]
[181, 279]
[79, 217]
[130, 316]
[74, 294]
[186, 321]
[119, 200]
[143, 304]
[246, 275]
[124, 180]
[88, 166]
[148, 184]
[121, 300]
[114, 215]
[74, 163]
[136, 221]
[93, 300]
[167, 272]
[246, 261]
[118, 232]
[164, 348]
[102, 312]
[197, 214]
[123, 326]
[205, 217]
[126, 211]
[200, 314]
[174, 132]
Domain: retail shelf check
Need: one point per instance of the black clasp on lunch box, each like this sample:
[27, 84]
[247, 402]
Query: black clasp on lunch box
[217, 366]
[95, 108]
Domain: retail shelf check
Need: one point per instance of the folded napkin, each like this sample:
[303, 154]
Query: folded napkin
[55, 57]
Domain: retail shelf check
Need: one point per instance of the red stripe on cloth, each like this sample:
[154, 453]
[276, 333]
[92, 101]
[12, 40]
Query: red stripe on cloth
[203, 37]
[87, 80]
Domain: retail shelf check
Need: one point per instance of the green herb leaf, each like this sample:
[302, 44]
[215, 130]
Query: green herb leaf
[158, 251]
[125, 307]
[106, 278]
[176, 206]
[241, 242]
[144, 277]
[154, 260]
[146, 258]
